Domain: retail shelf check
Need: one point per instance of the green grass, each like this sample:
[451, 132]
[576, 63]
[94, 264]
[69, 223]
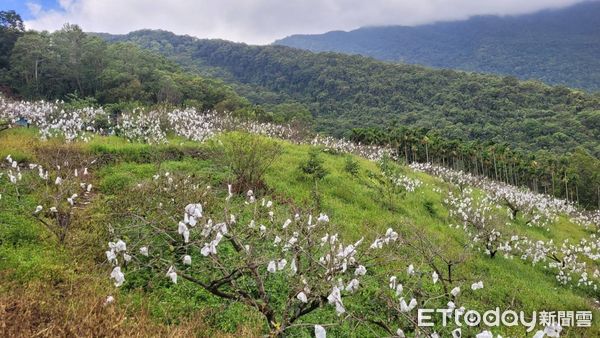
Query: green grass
[24, 253]
[354, 203]
[349, 201]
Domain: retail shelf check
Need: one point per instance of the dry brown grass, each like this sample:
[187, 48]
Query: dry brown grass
[70, 310]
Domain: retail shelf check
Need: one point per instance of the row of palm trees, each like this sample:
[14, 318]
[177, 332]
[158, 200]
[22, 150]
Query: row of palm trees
[541, 171]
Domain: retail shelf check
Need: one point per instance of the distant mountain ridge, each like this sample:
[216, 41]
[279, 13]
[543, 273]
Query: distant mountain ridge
[554, 46]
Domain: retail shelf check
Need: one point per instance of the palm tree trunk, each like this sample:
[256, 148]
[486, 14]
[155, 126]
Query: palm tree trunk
[495, 169]
[566, 187]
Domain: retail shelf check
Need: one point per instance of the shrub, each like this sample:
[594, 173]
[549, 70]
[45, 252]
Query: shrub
[428, 205]
[351, 166]
[248, 157]
[313, 166]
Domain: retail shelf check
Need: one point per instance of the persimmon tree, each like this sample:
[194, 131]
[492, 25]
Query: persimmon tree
[240, 250]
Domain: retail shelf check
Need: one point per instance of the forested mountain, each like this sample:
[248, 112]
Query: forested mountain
[554, 46]
[71, 65]
[344, 92]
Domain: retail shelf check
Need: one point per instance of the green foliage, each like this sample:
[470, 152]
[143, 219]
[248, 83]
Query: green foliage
[487, 125]
[351, 166]
[3, 125]
[541, 170]
[284, 112]
[314, 169]
[137, 153]
[382, 182]
[11, 28]
[429, 207]
[74, 101]
[345, 92]
[83, 69]
[558, 47]
[313, 166]
[248, 157]
[584, 174]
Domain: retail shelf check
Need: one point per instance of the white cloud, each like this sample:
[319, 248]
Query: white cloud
[34, 8]
[65, 4]
[262, 21]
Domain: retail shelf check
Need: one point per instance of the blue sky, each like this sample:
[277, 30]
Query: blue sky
[257, 21]
[21, 6]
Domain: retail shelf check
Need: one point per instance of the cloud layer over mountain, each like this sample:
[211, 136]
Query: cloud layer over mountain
[262, 21]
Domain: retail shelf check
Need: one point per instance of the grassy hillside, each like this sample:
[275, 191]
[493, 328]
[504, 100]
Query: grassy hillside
[47, 287]
[554, 46]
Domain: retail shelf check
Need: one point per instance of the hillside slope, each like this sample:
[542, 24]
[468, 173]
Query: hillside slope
[344, 92]
[208, 223]
[554, 46]
[359, 203]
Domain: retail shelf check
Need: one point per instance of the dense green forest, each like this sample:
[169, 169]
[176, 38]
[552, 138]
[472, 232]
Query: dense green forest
[69, 64]
[554, 46]
[345, 92]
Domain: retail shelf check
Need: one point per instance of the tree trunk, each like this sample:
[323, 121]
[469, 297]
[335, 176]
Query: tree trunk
[495, 169]
[566, 187]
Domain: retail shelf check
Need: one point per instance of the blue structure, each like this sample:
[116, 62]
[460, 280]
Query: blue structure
[22, 122]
